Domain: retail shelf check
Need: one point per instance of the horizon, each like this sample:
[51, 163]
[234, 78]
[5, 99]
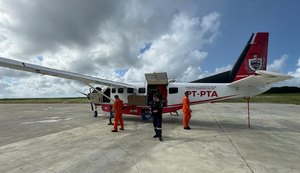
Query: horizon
[71, 97]
[122, 40]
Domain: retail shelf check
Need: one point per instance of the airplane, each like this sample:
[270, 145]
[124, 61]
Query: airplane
[247, 78]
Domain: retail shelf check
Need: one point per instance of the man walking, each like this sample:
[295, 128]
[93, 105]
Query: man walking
[186, 111]
[118, 106]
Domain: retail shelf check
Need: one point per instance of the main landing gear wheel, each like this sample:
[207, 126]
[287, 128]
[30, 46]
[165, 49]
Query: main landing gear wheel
[111, 118]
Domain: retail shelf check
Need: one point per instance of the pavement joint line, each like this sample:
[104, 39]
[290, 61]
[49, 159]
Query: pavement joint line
[95, 153]
[84, 160]
[134, 163]
[234, 146]
[30, 163]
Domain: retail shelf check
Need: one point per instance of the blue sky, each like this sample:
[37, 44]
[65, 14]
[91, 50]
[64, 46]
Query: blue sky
[241, 18]
[121, 40]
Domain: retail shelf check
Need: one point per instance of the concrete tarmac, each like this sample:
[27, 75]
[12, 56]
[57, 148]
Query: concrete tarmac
[65, 138]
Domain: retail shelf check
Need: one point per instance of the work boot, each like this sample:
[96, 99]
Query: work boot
[121, 128]
[114, 130]
[156, 134]
[187, 128]
[159, 135]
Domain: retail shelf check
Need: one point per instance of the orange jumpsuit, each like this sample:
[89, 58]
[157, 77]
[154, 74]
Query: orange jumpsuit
[118, 105]
[186, 111]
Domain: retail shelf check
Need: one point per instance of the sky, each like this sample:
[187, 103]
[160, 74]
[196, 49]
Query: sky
[121, 40]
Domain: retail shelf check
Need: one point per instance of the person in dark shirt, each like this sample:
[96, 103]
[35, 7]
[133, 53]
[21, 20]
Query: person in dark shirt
[156, 107]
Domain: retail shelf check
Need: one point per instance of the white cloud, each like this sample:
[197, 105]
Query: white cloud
[40, 86]
[190, 74]
[223, 69]
[295, 81]
[296, 74]
[100, 38]
[278, 64]
[179, 52]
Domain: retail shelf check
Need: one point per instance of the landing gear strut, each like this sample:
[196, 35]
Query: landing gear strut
[95, 113]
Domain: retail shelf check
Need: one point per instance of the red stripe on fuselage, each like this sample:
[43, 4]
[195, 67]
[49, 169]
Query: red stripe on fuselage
[137, 110]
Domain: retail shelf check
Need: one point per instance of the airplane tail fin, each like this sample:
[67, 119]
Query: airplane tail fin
[253, 57]
[250, 68]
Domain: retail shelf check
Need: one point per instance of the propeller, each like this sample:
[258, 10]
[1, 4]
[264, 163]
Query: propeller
[88, 97]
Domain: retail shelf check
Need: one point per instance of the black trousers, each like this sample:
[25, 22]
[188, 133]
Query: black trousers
[157, 121]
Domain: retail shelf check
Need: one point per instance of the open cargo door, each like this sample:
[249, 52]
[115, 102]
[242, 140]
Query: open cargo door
[157, 84]
[157, 78]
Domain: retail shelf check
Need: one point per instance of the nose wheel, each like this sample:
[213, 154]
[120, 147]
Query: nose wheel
[95, 112]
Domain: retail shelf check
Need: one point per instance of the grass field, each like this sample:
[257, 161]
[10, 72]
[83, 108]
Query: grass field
[291, 98]
[46, 100]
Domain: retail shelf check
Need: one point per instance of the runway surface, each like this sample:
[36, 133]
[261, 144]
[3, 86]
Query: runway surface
[66, 138]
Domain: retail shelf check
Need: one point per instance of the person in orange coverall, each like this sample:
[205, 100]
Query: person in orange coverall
[118, 106]
[186, 111]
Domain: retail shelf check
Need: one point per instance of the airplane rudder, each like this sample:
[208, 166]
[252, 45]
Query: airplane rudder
[259, 50]
[256, 56]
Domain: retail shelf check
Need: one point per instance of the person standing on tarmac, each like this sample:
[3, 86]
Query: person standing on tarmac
[186, 111]
[156, 107]
[118, 106]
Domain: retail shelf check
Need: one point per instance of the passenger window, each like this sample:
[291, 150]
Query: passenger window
[129, 90]
[120, 90]
[113, 90]
[173, 90]
[142, 90]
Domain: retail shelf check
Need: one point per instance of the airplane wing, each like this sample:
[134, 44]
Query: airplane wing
[13, 64]
[260, 79]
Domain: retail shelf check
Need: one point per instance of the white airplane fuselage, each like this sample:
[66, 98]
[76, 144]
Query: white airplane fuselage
[174, 92]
